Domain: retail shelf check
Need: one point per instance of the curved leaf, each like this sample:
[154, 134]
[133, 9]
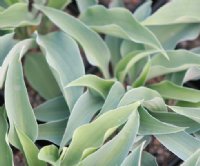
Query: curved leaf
[178, 11]
[52, 110]
[84, 110]
[19, 110]
[63, 56]
[93, 82]
[179, 60]
[150, 125]
[134, 158]
[192, 113]
[52, 131]
[84, 5]
[6, 157]
[30, 150]
[40, 77]
[114, 151]
[170, 90]
[17, 15]
[181, 144]
[95, 49]
[119, 22]
[97, 130]
[6, 44]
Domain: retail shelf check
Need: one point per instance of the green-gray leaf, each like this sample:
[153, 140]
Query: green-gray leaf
[95, 49]
[63, 56]
[52, 110]
[40, 77]
[17, 15]
[6, 157]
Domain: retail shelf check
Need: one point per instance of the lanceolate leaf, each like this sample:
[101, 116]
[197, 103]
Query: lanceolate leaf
[93, 82]
[84, 5]
[50, 154]
[58, 4]
[193, 159]
[5, 150]
[143, 11]
[17, 15]
[113, 152]
[119, 23]
[151, 99]
[170, 90]
[52, 110]
[124, 66]
[113, 98]
[179, 11]
[52, 131]
[192, 113]
[19, 110]
[29, 149]
[92, 135]
[148, 159]
[179, 60]
[150, 125]
[134, 158]
[40, 77]
[181, 144]
[6, 44]
[170, 35]
[84, 110]
[95, 49]
[177, 120]
[65, 61]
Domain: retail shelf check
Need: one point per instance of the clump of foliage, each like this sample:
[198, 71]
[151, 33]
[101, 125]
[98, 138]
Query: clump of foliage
[92, 120]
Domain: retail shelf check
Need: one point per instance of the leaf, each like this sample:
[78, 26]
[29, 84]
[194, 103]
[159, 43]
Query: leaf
[143, 11]
[193, 159]
[128, 46]
[63, 56]
[101, 86]
[179, 11]
[40, 77]
[6, 43]
[179, 60]
[6, 157]
[19, 110]
[192, 74]
[84, 110]
[181, 144]
[92, 135]
[134, 158]
[152, 126]
[148, 159]
[58, 4]
[50, 154]
[119, 22]
[52, 110]
[151, 99]
[192, 113]
[113, 98]
[52, 131]
[170, 90]
[95, 49]
[114, 44]
[117, 148]
[170, 35]
[140, 81]
[30, 150]
[84, 5]
[17, 15]
[177, 120]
